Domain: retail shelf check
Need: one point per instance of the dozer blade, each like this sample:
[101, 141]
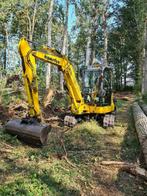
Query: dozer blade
[35, 133]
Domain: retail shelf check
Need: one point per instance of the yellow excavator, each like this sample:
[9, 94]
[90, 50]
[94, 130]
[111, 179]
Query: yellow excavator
[94, 100]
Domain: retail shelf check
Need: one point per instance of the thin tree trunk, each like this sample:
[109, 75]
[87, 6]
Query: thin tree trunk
[125, 74]
[144, 69]
[125, 80]
[31, 22]
[34, 19]
[65, 41]
[105, 33]
[6, 51]
[94, 33]
[49, 42]
[5, 54]
[88, 50]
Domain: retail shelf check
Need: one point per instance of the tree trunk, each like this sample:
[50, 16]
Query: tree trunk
[65, 41]
[33, 19]
[6, 50]
[31, 22]
[88, 50]
[5, 54]
[49, 42]
[141, 128]
[125, 75]
[94, 28]
[144, 69]
[104, 17]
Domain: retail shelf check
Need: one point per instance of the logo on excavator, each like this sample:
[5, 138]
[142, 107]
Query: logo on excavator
[52, 60]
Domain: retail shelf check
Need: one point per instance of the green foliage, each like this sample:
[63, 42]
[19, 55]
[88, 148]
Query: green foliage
[5, 137]
[126, 43]
[119, 103]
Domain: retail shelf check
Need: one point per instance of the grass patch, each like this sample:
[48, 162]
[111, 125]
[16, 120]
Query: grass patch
[37, 184]
[130, 144]
[84, 136]
[5, 137]
[44, 171]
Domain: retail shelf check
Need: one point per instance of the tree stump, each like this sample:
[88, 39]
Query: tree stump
[141, 128]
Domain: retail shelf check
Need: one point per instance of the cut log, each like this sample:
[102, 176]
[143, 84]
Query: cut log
[144, 108]
[128, 167]
[141, 128]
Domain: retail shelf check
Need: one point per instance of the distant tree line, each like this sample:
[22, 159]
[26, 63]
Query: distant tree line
[111, 32]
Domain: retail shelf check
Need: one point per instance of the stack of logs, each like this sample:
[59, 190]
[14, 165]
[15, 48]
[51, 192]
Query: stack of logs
[140, 118]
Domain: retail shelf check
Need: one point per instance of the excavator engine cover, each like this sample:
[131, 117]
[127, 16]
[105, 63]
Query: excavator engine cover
[33, 133]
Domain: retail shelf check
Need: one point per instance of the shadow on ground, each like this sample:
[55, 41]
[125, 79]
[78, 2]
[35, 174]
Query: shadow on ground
[30, 180]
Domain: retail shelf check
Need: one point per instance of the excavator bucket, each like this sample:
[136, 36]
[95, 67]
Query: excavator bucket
[35, 133]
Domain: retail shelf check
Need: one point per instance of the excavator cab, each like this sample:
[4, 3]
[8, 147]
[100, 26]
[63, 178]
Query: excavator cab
[97, 85]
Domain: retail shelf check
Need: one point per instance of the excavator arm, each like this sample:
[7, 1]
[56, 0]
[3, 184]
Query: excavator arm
[30, 77]
[52, 56]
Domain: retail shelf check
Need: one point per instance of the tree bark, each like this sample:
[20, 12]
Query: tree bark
[65, 41]
[141, 128]
[33, 19]
[144, 108]
[88, 50]
[104, 17]
[6, 50]
[49, 42]
[94, 28]
[144, 69]
[31, 22]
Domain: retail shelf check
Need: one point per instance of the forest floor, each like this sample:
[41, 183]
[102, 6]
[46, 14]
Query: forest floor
[70, 163]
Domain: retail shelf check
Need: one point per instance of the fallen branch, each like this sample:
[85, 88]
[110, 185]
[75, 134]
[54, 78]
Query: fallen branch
[20, 106]
[54, 118]
[65, 153]
[7, 145]
[5, 151]
[68, 161]
[128, 167]
[118, 163]
[67, 129]
[63, 146]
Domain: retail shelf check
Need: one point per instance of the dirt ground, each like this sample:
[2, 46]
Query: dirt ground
[70, 163]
